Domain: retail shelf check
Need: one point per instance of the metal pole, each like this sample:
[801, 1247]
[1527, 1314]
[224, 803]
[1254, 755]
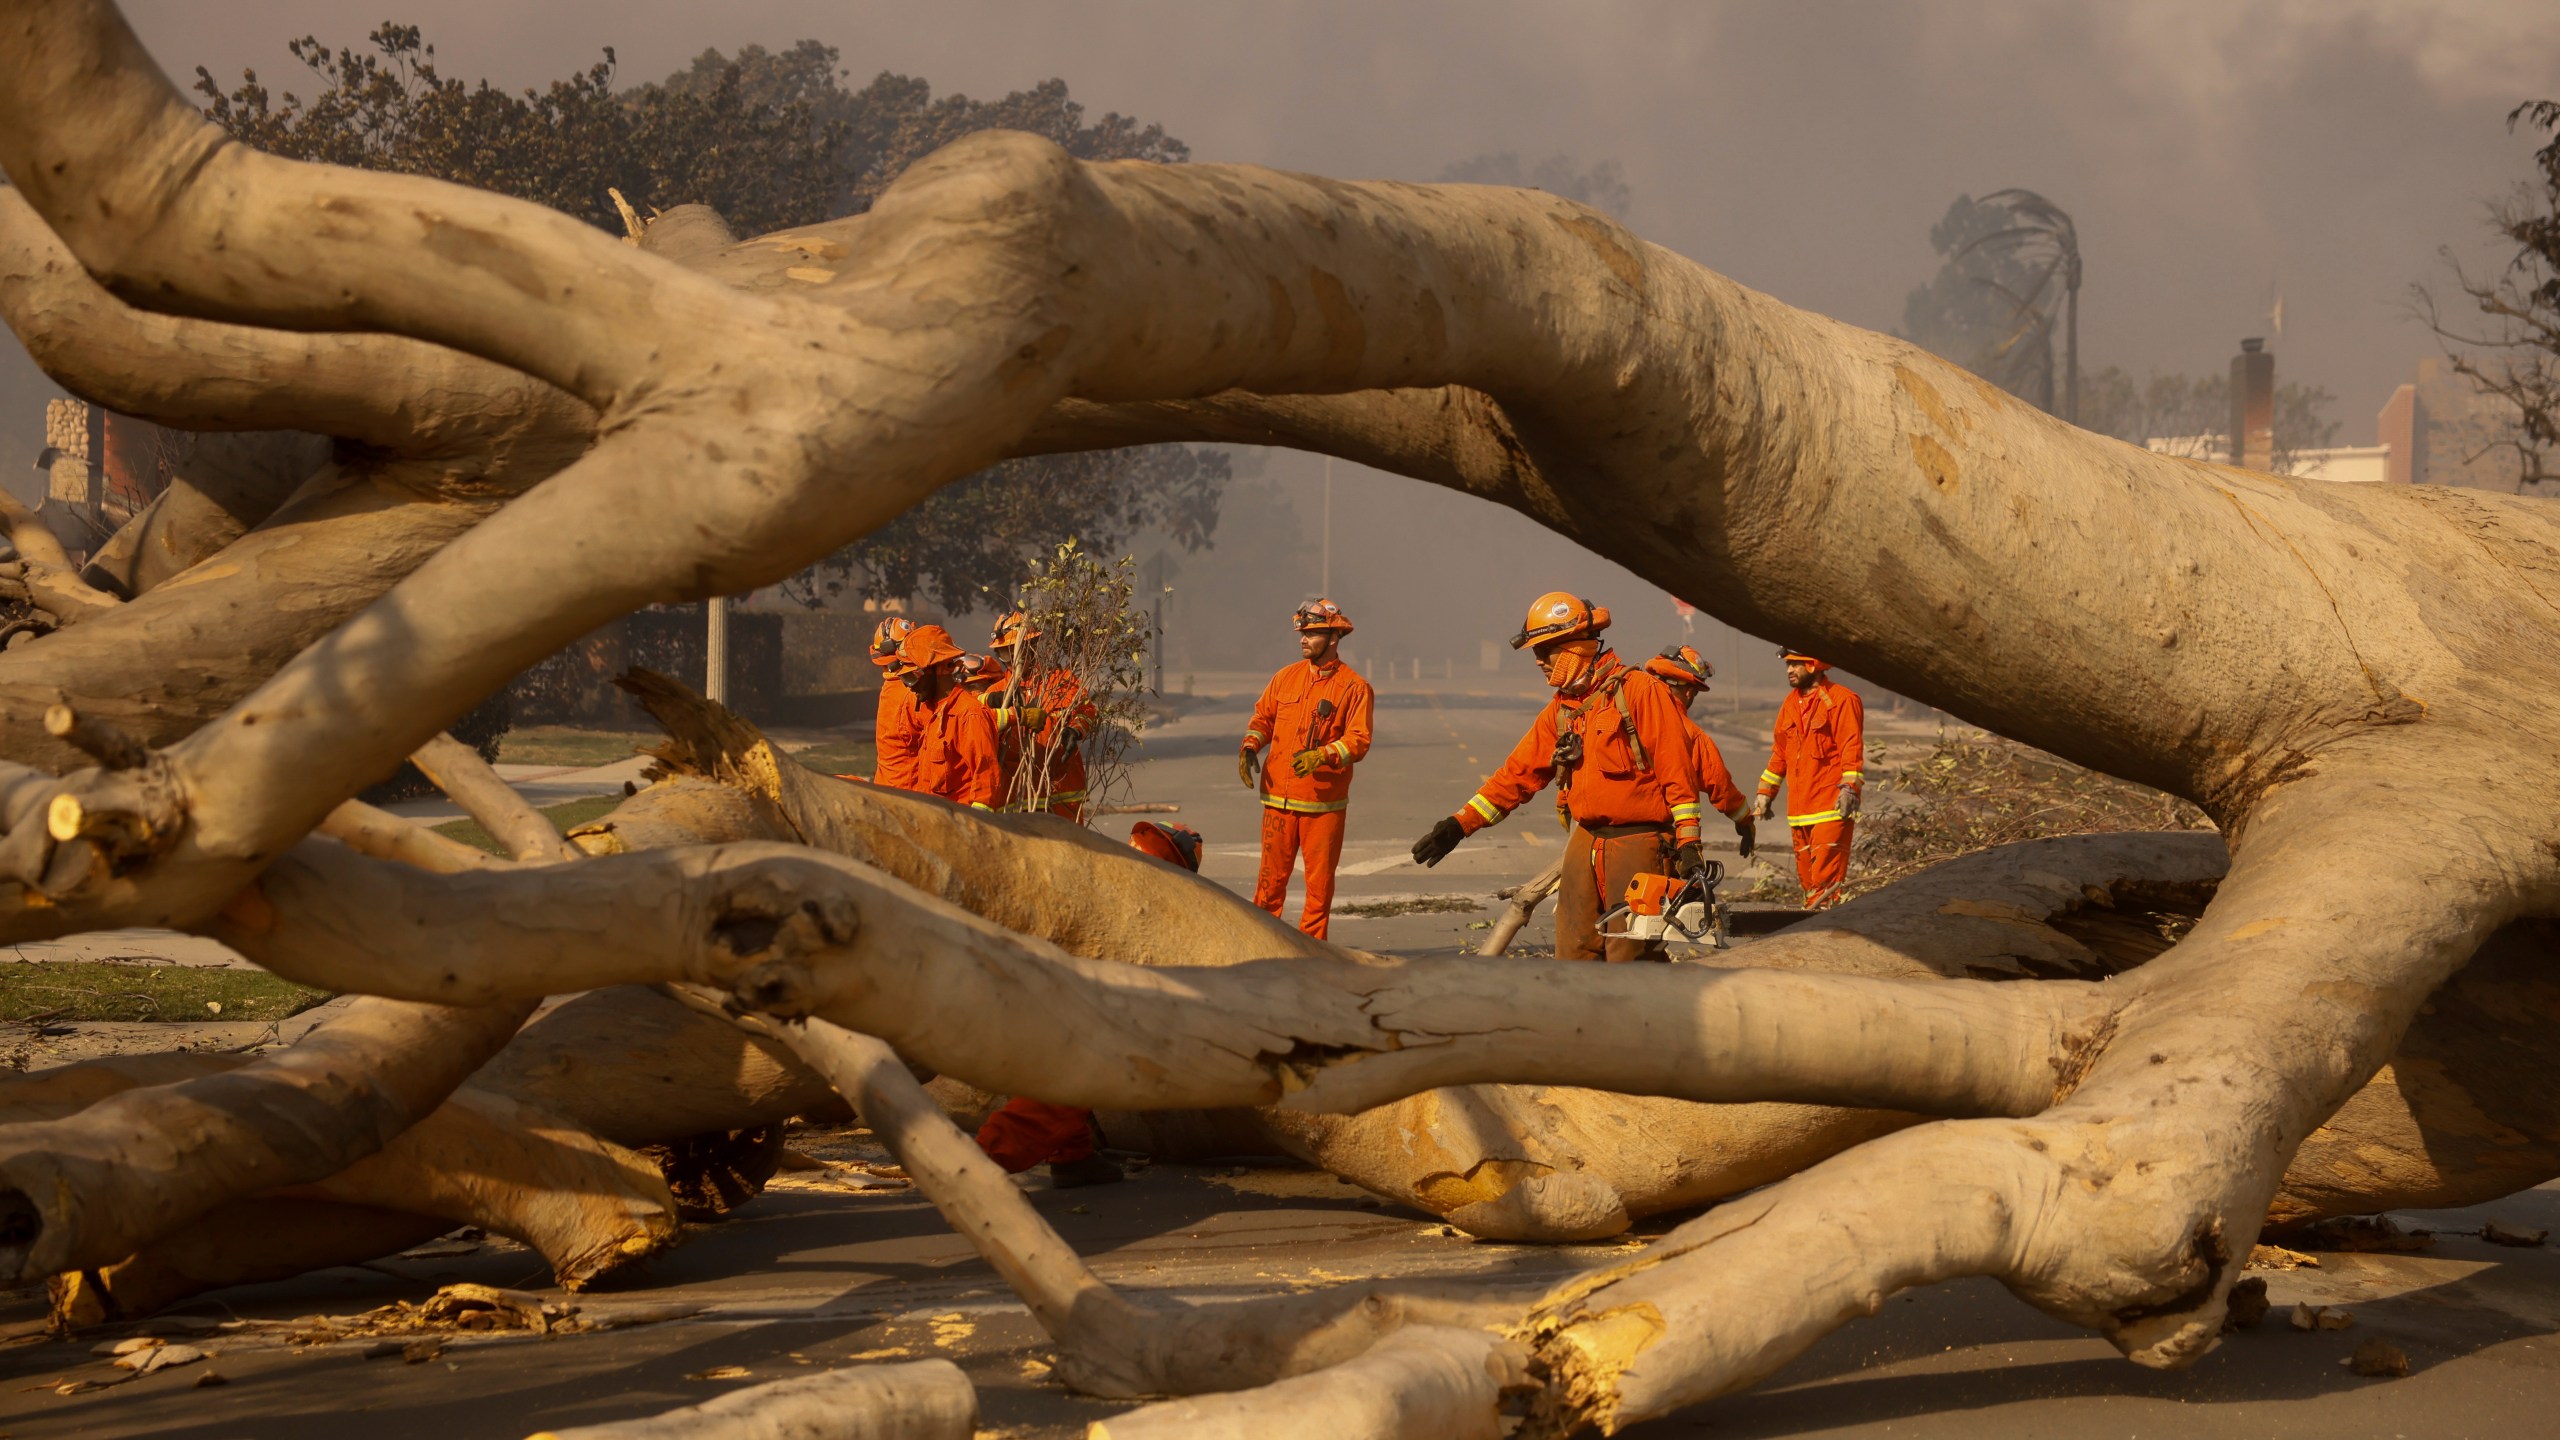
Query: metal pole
[715, 668]
[1324, 585]
[2071, 346]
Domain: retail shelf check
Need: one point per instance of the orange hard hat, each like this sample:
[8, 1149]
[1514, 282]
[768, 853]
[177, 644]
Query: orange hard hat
[886, 637]
[1321, 615]
[1558, 615]
[1784, 653]
[1171, 843]
[927, 645]
[1011, 628]
[980, 673]
[1680, 665]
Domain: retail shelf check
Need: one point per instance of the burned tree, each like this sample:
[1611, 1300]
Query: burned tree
[2298, 659]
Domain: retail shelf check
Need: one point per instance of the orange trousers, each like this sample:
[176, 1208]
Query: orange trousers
[1286, 835]
[1028, 1132]
[1822, 860]
[1597, 870]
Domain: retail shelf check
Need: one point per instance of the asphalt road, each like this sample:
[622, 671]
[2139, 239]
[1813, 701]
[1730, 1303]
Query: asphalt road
[1435, 743]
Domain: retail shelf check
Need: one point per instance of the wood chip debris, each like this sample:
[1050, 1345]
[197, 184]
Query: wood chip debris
[2378, 1357]
[2307, 1316]
[454, 1307]
[2497, 1234]
[721, 1372]
[2277, 1257]
[2247, 1305]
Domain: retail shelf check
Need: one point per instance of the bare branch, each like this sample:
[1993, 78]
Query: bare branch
[467, 781]
[910, 1400]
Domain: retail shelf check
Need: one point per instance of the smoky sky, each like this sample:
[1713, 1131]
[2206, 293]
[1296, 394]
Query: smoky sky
[2214, 155]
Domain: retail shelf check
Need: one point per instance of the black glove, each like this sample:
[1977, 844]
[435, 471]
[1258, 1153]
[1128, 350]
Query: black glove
[1689, 860]
[1433, 848]
[1848, 801]
[1746, 833]
[1070, 738]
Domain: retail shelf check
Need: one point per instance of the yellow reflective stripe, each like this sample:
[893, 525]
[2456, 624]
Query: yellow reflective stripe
[1341, 751]
[1485, 808]
[1859, 775]
[974, 805]
[1768, 780]
[1304, 807]
[1816, 818]
[1065, 796]
[1254, 740]
[1684, 812]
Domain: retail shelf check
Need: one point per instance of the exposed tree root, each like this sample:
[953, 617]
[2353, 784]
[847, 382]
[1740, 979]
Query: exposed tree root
[92, 1186]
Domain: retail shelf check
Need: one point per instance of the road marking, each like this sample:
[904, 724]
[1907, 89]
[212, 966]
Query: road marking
[1372, 867]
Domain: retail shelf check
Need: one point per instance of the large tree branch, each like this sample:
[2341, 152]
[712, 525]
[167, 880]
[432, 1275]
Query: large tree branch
[93, 1186]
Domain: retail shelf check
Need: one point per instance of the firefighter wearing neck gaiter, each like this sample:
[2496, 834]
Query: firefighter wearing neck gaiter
[1616, 745]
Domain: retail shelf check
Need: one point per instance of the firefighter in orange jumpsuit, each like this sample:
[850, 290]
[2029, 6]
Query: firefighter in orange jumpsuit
[1028, 1132]
[1617, 746]
[1041, 722]
[955, 736]
[1686, 672]
[1316, 713]
[1820, 755]
[893, 732]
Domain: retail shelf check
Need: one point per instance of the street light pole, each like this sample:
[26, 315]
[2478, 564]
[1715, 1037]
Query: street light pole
[1324, 583]
[715, 669]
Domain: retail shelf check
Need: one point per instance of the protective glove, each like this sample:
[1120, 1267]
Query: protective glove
[1848, 801]
[1690, 861]
[1070, 738]
[1746, 833]
[1433, 848]
[1760, 805]
[1245, 766]
[1306, 761]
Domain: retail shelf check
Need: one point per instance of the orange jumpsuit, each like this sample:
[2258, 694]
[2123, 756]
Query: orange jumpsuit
[1820, 750]
[1715, 782]
[895, 735]
[1630, 810]
[1062, 705]
[956, 750]
[1307, 707]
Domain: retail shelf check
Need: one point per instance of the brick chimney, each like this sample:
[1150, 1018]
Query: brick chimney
[2253, 406]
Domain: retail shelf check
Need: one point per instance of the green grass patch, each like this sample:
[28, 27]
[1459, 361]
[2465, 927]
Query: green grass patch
[564, 817]
[98, 990]
[839, 757]
[562, 745]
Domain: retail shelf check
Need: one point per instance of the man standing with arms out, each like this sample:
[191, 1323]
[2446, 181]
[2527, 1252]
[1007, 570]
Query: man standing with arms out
[1617, 746]
[1820, 755]
[1316, 714]
[893, 731]
[955, 736]
[1040, 721]
[1685, 672]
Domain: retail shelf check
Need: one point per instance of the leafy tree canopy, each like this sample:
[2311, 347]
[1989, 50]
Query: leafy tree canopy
[771, 140]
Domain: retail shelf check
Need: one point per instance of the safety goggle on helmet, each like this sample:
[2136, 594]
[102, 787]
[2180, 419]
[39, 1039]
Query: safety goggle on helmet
[1558, 615]
[1321, 615]
[1680, 665]
[886, 638]
[1011, 628]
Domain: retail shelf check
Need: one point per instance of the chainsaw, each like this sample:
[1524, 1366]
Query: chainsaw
[1659, 906]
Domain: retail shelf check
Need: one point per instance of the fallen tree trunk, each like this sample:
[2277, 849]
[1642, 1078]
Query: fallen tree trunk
[2298, 658]
[912, 1400]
